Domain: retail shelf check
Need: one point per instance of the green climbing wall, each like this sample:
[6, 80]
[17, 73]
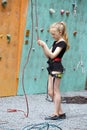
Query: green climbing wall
[74, 61]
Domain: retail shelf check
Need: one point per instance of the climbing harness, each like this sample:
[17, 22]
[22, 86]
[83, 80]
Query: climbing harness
[56, 75]
[57, 59]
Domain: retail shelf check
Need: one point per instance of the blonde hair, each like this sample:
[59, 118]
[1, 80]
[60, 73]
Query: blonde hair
[61, 26]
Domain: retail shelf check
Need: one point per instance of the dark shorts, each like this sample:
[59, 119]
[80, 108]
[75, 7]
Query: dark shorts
[55, 66]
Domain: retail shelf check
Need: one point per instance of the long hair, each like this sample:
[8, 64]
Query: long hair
[61, 26]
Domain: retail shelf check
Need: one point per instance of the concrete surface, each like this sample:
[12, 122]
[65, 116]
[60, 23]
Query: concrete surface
[39, 107]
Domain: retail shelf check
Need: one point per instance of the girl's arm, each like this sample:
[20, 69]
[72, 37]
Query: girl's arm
[48, 51]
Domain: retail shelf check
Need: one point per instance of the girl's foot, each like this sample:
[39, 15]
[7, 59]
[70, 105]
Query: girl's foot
[56, 117]
[62, 116]
[53, 117]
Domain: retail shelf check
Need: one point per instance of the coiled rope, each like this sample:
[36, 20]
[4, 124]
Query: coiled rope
[41, 126]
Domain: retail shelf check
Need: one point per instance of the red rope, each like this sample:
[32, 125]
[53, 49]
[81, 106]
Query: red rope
[36, 13]
[16, 110]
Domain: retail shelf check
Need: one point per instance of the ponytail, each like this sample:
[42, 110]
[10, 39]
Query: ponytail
[65, 36]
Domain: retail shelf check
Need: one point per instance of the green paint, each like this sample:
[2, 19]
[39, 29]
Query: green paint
[74, 60]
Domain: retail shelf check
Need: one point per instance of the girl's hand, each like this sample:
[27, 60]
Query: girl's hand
[41, 43]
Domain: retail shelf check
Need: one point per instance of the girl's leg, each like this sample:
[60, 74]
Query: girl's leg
[57, 97]
[54, 93]
[50, 86]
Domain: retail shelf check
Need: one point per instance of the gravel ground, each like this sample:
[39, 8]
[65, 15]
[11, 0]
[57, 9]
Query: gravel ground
[39, 107]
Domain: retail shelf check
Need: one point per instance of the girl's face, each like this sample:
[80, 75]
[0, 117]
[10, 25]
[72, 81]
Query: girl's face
[55, 34]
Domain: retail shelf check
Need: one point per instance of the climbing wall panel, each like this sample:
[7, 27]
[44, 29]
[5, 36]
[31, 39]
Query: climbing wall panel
[35, 75]
[10, 25]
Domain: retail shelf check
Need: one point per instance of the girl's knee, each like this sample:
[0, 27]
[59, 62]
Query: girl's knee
[56, 94]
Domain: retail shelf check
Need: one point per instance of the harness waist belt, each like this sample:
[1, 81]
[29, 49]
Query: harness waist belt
[57, 59]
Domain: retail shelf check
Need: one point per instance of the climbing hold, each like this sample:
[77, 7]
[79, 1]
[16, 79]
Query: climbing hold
[73, 4]
[27, 33]
[4, 3]
[48, 30]
[74, 33]
[75, 11]
[33, 49]
[8, 38]
[0, 58]
[42, 29]
[36, 28]
[51, 11]
[42, 68]
[62, 11]
[74, 69]
[67, 13]
[46, 40]
[1, 35]
[35, 78]
[26, 41]
[74, 8]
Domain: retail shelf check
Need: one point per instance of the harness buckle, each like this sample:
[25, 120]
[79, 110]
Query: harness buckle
[58, 75]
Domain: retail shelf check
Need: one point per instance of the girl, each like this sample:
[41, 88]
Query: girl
[55, 67]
